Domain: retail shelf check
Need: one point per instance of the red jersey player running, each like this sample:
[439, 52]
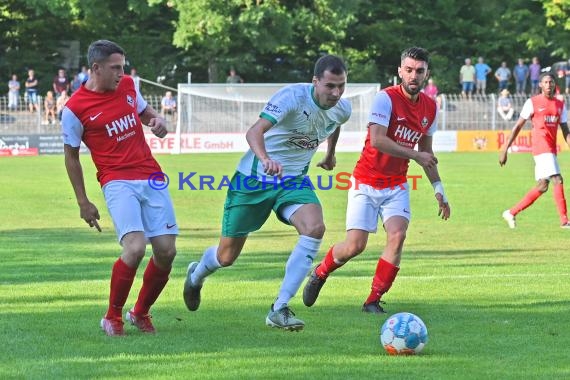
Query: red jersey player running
[106, 114]
[545, 112]
[401, 117]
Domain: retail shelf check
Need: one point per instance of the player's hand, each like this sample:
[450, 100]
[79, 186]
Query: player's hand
[88, 212]
[503, 157]
[426, 160]
[327, 163]
[158, 126]
[272, 167]
[444, 209]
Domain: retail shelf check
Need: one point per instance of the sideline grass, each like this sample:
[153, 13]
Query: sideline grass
[495, 300]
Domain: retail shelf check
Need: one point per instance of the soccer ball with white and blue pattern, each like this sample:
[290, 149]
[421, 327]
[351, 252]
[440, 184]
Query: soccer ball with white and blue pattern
[403, 334]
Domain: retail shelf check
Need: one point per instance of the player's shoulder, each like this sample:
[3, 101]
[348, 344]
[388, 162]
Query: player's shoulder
[297, 88]
[77, 100]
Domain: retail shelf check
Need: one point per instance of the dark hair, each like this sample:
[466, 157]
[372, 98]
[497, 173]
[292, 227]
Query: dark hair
[546, 74]
[100, 50]
[330, 63]
[417, 53]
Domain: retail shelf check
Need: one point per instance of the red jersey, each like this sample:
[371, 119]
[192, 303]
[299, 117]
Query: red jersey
[545, 117]
[407, 123]
[109, 125]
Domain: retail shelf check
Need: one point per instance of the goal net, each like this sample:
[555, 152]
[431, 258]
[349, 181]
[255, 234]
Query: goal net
[214, 117]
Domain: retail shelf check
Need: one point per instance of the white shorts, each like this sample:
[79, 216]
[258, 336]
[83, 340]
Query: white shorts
[136, 206]
[545, 166]
[366, 204]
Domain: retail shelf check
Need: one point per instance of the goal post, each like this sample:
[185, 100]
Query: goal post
[221, 109]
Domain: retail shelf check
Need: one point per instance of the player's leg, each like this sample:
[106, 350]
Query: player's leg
[124, 209]
[545, 167]
[361, 218]
[396, 214]
[560, 200]
[530, 197]
[159, 221]
[245, 211]
[213, 258]
[308, 221]
[388, 265]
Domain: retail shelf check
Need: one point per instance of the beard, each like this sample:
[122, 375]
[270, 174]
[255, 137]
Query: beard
[412, 90]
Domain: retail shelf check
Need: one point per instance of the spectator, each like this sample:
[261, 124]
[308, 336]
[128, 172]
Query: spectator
[32, 91]
[60, 83]
[13, 92]
[505, 106]
[60, 103]
[567, 76]
[49, 108]
[83, 75]
[534, 72]
[503, 75]
[233, 78]
[467, 78]
[481, 72]
[520, 72]
[168, 105]
[431, 89]
[75, 84]
[136, 79]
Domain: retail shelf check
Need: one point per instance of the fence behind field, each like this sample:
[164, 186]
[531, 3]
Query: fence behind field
[208, 114]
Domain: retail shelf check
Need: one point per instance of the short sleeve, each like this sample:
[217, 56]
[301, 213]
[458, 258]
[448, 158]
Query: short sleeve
[381, 109]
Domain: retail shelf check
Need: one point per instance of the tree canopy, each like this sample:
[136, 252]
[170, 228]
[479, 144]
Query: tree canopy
[277, 40]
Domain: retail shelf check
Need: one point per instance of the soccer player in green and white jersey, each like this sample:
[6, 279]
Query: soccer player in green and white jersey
[270, 176]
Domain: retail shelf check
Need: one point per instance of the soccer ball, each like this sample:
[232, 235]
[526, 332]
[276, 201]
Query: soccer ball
[403, 334]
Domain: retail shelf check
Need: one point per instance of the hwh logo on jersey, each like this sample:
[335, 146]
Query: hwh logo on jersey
[120, 125]
[551, 119]
[407, 134]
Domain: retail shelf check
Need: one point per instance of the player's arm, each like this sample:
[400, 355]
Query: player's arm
[255, 139]
[329, 162]
[565, 132]
[154, 120]
[426, 145]
[526, 113]
[514, 133]
[87, 210]
[564, 124]
[380, 141]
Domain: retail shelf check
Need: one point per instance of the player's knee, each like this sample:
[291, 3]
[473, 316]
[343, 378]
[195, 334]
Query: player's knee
[542, 185]
[227, 257]
[134, 253]
[166, 256]
[316, 231]
[396, 237]
[356, 247]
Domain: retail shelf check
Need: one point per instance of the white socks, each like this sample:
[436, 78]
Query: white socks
[297, 269]
[208, 264]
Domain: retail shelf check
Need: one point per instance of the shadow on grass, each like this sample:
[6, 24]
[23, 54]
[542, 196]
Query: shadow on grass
[231, 341]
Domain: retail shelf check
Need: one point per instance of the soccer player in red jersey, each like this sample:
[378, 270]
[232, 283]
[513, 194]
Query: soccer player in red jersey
[401, 118]
[107, 113]
[546, 112]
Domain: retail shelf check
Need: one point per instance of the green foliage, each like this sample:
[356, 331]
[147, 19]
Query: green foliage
[279, 41]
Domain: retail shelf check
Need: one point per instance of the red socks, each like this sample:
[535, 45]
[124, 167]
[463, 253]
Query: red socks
[122, 278]
[328, 265]
[560, 202]
[382, 281]
[528, 199]
[154, 280]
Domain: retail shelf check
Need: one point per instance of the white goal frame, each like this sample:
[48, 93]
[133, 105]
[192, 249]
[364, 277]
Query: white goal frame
[214, 109]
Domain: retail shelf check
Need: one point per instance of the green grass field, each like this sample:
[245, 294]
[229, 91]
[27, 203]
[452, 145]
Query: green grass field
[495, 300]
